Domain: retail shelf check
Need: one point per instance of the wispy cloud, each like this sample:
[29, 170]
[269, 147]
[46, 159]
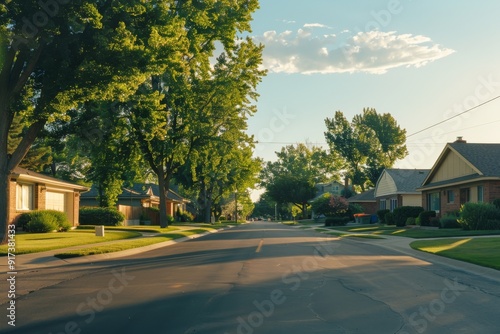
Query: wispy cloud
[307, 52]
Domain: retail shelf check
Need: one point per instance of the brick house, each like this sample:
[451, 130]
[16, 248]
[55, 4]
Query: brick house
[464, 172]
[33, 191]
[133, 200]
[366, 200]
[398, 187]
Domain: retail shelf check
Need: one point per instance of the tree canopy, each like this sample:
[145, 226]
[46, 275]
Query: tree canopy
[367, 145]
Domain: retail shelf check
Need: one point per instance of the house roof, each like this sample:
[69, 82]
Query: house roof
[140, 191]
[484, 159]
[367, 196]
[20, 172]
[406, 180]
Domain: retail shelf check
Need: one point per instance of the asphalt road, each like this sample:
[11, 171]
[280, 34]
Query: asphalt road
[260, 278]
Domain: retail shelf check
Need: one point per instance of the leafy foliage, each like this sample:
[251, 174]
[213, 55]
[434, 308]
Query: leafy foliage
[478, 216]
[367, 145]
[101, 216]
[44, 221]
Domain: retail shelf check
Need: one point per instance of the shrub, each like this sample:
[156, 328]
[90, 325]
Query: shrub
[475, 216]
[336, 221]
[188, 217]
[402, 213]
[449, 221]
[381, 215]
[425, 217]
[434, 222]
[411, 221]
[23, 221]
[101, 216]
[353, 210]
[496, 202]
[330, 205]
[44, 221]
[389, 218]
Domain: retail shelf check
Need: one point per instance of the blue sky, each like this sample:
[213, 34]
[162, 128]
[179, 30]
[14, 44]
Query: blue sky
[421, 61]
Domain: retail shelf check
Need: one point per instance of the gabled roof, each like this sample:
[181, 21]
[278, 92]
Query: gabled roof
[406, 181]
[38, 177]
[367, 196]
[484, 159]
[140, 191]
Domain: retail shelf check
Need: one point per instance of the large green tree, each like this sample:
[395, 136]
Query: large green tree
[55, 57]
[293, 176]
[178, 116]
[367, 145]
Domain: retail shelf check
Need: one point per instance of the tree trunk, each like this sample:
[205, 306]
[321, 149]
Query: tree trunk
[163, 186]
[4, 202]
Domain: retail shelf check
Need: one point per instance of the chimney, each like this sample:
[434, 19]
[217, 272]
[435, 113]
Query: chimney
[460, 140]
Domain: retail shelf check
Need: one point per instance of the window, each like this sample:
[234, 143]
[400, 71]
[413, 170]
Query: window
[394, 203]
[434, 202]
[451, 196]
[480, 193]
[382, 204]
[24, 193]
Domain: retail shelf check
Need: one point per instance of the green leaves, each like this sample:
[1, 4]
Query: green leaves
[366, 146]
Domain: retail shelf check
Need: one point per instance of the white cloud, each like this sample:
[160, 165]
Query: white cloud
[369, 52]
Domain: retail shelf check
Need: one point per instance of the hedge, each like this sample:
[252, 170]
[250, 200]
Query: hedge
[381, 215]
[402, 213]
[101, 216]
[425, 217]
[479, 216]
[43, 221]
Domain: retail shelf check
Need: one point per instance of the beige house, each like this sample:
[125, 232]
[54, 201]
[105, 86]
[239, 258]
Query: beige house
[398, 187]
[463, 173]
[33, 191]
[334, 188]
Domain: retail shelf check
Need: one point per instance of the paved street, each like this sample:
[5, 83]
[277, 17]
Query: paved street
[262, 278]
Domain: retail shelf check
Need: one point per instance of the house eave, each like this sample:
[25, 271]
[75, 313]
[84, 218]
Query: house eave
[454, 182]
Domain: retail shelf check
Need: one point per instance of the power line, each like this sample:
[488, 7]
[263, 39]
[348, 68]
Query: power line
[460, 114]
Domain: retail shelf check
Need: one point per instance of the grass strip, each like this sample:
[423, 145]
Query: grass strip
[482, 251]
[130, 244]
[27, 243]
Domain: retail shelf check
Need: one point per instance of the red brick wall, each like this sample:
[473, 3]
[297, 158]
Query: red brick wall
[13, 214]
[491, 191]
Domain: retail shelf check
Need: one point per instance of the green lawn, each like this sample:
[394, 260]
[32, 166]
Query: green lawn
[130, 244]
[481, 251]
[40, 242]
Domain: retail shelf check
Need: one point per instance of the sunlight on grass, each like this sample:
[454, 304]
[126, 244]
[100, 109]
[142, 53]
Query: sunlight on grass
[39, 242]
[444, 247]
[130, 244]
[399, 231]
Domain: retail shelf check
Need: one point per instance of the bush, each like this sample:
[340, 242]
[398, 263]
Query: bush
[381, 215]
[475, 216]
[411, 221]
[425, 217]
[188, 217]
[389, 218]
[330, 205]
[101, 216]
[449, 221]
[336, 221]
[44, 221]
[402, 213]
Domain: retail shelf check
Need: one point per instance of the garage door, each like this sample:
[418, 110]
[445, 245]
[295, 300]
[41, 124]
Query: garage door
[55, 201]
